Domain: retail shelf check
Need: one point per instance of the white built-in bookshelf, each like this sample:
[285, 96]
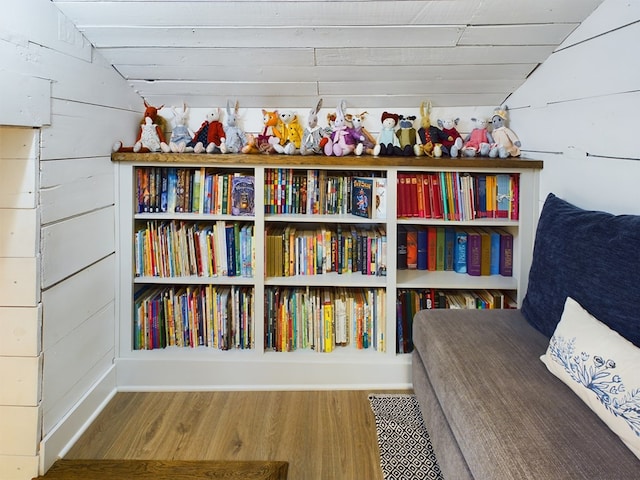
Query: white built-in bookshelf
[261, 354]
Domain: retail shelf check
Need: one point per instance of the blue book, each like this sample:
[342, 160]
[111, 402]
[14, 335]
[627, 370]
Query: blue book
[422, 248]
[449, 244]
[460, 251]
[494, 266]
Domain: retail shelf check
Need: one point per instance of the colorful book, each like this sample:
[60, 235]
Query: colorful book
[506, 253]
[494, 267]
[243, 195]
[422, 248]
[474, 252]
[362, 197]
[412, 247]
[460, 251]
[380, 191]
[485, 251]
[401, 258]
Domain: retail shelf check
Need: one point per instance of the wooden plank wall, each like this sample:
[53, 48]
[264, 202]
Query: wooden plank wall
[57, 235]
[578, 113]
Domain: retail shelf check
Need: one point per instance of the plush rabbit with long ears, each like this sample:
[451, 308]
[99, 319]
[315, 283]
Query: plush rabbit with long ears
[313, 133]
[236, 138]
[341, 142]
[180, 132]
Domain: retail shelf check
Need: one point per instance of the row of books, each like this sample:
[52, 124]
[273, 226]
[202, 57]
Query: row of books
[209, 316]
[181, 249]
[411, 301]
[322, 192]
[320, 249]
[474, 251]
[322, 319]
[194, 190]
[458, 196]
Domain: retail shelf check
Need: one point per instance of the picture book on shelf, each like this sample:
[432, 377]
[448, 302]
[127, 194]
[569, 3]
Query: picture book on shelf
[362, 197]
[242, 195]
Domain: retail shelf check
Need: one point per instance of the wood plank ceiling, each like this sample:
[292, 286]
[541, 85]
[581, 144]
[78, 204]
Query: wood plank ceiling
[287, 54]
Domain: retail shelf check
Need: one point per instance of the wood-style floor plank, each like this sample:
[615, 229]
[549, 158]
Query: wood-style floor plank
[322, 434]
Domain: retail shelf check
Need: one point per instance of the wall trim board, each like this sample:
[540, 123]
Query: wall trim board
[64, 435]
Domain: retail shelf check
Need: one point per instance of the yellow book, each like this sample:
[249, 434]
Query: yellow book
[327, 309]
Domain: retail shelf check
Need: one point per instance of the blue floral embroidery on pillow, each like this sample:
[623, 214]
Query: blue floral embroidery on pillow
[595, 373]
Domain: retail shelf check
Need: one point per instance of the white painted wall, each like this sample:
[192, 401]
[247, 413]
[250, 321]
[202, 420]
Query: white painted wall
[578, 112]
[57, 232]
[61, 199]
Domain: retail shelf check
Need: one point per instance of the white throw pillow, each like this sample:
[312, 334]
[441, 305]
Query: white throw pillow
[601, 367]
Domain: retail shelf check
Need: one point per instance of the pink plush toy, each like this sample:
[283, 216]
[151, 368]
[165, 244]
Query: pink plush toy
[479, 140]
[341, 142]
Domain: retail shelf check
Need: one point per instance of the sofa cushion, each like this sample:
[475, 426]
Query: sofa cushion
[510, 417]
[590, 256]
[601, 367]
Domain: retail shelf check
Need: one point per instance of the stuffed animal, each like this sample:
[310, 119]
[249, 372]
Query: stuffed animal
[430, 137]
[235, 138]
[151, 136]
[180, 132]
[291, 133]
[210, 135]
[313, 133]
[479, 140]
[264, 142]
[407, 135]
[452, 142]
[365, 140]
[506, 141]
[387, 142]
[340, 142]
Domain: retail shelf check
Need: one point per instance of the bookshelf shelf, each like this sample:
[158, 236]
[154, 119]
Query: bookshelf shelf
[260, 367]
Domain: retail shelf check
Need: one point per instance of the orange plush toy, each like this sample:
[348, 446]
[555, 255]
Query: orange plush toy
[271, 134]
[151, 135]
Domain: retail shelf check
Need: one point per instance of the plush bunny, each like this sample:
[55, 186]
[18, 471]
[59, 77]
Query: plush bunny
[407, 135]
[340, 142]
[313, 133]
[452, 143]
[235, 138]
[365, 141]
[151, 135]
[387, 142]
[506, 141]
[181, 135]
[210, 135]
[430, 137]
[479, 140]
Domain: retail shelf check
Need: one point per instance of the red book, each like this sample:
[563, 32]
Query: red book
[402, 180]
[426, 195]
[420, 184]
[432, 248]
[437, 206]
[515, 197]
[413, 195]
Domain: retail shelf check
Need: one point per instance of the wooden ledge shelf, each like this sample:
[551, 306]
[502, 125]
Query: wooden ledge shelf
[367, 161]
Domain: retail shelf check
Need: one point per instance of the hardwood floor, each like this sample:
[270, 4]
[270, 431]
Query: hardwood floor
[322, 434]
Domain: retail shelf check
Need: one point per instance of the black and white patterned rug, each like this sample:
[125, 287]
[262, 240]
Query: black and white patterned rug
[405, 447]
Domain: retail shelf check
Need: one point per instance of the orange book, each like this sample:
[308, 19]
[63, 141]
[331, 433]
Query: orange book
[412, 248]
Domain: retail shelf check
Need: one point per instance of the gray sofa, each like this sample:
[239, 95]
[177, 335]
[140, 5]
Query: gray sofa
[491, 407]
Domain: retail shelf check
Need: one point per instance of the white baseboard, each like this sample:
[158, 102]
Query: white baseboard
[64, 435]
